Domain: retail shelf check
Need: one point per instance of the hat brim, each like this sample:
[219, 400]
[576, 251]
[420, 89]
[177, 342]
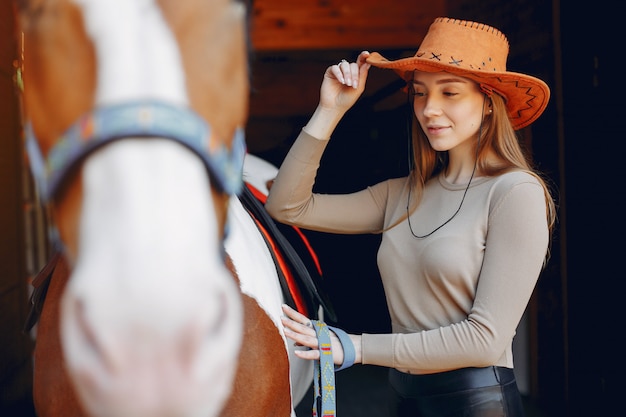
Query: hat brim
[526, 96]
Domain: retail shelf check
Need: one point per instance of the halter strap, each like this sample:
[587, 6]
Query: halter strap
[139, 119]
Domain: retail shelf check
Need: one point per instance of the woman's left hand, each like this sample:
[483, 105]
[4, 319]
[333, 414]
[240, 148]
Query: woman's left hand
[300, 329]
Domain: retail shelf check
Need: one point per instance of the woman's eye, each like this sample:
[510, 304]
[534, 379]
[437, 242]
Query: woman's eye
[450, 93]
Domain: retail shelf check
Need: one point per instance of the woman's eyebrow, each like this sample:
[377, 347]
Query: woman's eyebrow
[442, 81]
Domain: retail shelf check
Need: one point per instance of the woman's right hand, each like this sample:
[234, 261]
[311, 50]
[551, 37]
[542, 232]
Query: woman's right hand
[299, 328]
[344, 83]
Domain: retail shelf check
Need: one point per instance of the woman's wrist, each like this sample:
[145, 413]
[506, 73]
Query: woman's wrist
[356, 341]
[323, 122]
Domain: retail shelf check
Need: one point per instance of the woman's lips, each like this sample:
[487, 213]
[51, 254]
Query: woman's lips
[436, 129]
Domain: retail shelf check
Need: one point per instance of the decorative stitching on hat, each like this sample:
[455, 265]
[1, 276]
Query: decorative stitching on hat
[527, 102]
[456, 62]
[474, 25]
[435, 56]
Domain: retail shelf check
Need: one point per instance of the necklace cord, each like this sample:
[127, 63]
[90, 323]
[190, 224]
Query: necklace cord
[408, 202]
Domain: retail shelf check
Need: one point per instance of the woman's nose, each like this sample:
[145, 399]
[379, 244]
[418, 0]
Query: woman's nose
[431, 107]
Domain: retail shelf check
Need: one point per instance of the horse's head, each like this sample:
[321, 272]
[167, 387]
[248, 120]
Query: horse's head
[151, 317]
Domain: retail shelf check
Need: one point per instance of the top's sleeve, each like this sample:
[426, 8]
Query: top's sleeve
[291, 199]
[515, 250]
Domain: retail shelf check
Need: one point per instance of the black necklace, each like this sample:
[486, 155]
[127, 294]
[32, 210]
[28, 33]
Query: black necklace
[408, 200]
[408, 216]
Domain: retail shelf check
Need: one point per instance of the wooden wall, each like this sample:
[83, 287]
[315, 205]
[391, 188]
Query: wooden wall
[340, 24]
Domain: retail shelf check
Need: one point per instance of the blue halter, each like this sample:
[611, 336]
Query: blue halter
[139, 119]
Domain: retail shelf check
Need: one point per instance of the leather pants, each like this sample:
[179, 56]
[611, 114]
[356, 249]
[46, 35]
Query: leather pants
[466, 392]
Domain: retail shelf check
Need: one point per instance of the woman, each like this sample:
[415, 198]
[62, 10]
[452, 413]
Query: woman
[464, 236]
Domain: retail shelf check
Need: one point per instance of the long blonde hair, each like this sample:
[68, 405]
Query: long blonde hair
[497, 138]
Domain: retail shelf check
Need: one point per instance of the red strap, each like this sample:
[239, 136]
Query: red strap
[263, 198]
[309, 248]
[293, 287]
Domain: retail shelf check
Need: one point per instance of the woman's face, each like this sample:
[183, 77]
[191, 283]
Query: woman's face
[448, 108]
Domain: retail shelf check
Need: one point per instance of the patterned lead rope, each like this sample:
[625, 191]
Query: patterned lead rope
[324, 404]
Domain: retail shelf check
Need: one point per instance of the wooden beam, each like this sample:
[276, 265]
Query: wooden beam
[345, 24]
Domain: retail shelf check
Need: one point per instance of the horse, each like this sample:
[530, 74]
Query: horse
[164, 297]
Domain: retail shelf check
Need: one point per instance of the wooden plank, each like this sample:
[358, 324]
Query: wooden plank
[349, 24]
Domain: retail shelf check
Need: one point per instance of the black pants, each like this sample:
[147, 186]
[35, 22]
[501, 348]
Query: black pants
[467, 392]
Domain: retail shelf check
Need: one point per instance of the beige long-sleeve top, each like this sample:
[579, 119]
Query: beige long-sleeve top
[456, 297]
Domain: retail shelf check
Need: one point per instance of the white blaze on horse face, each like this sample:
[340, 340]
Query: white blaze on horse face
[137, 54]
[151, 319]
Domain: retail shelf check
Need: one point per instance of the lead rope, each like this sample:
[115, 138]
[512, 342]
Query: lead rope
[324, 404]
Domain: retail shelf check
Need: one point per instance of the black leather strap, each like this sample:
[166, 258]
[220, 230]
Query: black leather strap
[315, 296]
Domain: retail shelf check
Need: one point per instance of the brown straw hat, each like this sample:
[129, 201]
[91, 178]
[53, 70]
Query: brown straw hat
[478, 52]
